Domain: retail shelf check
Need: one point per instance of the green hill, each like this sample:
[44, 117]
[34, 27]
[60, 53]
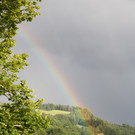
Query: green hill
[68, 120]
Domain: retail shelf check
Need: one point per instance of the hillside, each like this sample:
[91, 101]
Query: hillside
[79, 121]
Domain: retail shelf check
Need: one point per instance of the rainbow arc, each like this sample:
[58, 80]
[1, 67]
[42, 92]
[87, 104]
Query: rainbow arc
[51, 67]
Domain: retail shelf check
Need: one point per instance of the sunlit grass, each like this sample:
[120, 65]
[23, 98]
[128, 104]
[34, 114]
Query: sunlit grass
[54, 112]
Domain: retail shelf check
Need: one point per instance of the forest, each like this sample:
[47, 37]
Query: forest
[80, 121]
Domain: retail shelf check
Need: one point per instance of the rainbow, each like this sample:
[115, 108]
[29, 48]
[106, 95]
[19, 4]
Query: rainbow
[49, 65]
[52, 68]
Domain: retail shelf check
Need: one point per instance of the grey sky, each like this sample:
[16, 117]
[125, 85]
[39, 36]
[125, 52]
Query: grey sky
[92, 42]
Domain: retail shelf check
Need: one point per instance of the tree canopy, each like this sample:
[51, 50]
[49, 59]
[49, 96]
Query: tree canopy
[19, 115]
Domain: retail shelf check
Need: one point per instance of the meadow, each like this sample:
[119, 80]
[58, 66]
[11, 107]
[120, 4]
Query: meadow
[54, 112]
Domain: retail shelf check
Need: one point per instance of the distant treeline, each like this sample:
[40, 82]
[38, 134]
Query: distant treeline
[50, 106]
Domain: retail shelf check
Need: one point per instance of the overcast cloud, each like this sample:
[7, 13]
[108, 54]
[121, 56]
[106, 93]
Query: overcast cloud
[93, 43]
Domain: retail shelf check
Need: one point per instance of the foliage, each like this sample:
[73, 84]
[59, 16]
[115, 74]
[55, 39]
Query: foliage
[13, 12]
[60, 125]
[18, 116]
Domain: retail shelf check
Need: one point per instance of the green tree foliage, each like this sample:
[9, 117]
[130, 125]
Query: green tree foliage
[50, 106]
[19, 115]
[63, 124]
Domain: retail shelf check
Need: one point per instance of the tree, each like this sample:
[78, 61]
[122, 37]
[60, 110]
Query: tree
[19, 115]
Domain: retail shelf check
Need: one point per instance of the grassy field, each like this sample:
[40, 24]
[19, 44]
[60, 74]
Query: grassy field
[55, 112]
